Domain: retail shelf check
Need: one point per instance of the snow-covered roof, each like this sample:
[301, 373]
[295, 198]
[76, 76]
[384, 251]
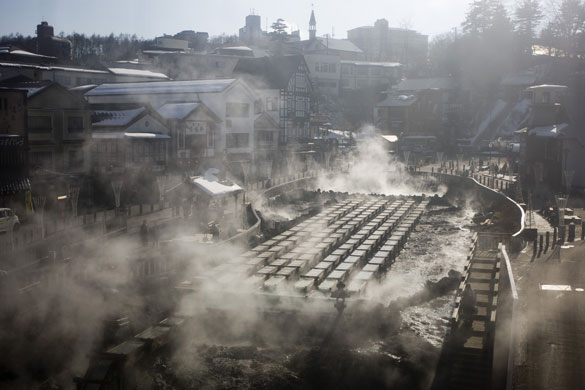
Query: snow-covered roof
[547, 87]
[339, 44]
[397, 101]
[138, 72]
[519, 79]
[372, 63]
[123, 134]
[163, 52]
[426, 83]
[40, 67]
[162, 87]
[390, 138]
[177, 111]
[246, 48]
[214, 187]
[30, 90]
[341, 135]
[24, 53]
[548, 131]
[115, 118]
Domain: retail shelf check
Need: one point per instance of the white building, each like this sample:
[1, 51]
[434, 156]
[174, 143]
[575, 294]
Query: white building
[237, 113]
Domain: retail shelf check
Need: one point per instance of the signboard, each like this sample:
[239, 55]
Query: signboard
[195, 128]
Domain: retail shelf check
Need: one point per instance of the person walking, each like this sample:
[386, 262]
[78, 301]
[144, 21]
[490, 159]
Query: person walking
[467, 306]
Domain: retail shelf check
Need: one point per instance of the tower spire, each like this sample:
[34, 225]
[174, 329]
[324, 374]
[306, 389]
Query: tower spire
[312, 26]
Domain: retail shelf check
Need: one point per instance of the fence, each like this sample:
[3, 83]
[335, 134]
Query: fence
[97, 223]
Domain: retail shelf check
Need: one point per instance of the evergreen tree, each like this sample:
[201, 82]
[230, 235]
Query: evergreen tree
[568, 27]
[527, 17]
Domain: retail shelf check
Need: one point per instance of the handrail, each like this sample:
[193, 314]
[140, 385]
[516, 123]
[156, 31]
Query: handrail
[522, 212]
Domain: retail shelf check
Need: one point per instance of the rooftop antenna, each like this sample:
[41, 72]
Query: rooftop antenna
[332, 32]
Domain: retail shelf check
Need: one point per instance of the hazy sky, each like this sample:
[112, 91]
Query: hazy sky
[150, 18]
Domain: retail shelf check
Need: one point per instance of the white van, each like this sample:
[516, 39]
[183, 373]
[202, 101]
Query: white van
[8, 221]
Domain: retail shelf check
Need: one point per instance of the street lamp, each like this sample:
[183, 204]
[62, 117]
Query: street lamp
[406, 156]
[74, 197]
[561, 201]
[117, 187]
[440, 156]
[161, 181]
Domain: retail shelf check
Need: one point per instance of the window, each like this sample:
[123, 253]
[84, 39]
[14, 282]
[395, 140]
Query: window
[346, 69]
[42, 159]
[271, 104]
[325, 67]
[237, 140]
[75, 159]
[237, 110]
[63, 80]
[210, 140]
[258, 106]
[181, 138]
[327, 84]
[75, 124]
[362, 71]
[265, 137]
[40, 124]
[376, 72]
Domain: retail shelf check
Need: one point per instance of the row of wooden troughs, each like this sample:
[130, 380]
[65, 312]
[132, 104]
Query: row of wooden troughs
[354, 242]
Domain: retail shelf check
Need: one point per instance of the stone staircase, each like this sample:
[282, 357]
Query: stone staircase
[466, 361]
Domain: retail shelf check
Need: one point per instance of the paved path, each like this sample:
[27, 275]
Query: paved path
[550, 343]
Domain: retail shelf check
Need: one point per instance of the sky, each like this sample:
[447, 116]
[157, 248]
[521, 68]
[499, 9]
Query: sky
[151, 18]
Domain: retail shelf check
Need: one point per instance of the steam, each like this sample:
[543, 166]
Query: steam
[372, 169]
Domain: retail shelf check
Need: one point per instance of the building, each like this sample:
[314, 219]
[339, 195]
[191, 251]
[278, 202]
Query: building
[168, 42]
[193, 128]
[325, 72]
[131, 146]
[192, 66]
[549, 147]
[324, 46]
[366, 74]
[58, 128]
[16, 54]
[385, 44]
[197, 40]
[131, 139]
[49, 45]
[14, 179]
[285, 83]
[72, 77]
[251, 33]
[427, 106]
[233, 105]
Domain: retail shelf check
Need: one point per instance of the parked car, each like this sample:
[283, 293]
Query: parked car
[8, 221]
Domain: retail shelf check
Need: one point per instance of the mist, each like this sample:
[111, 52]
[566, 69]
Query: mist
[373, 170]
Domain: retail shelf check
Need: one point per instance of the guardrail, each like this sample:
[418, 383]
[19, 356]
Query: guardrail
[266, 186]
[97, 223]
[504, 343]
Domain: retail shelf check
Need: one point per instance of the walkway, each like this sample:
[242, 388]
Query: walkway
[551, 319]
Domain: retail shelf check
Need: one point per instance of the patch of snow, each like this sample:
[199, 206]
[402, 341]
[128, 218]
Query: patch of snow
[211, 185]
[548, 131]
[176, 110]
[138, 73]
[162, 87]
